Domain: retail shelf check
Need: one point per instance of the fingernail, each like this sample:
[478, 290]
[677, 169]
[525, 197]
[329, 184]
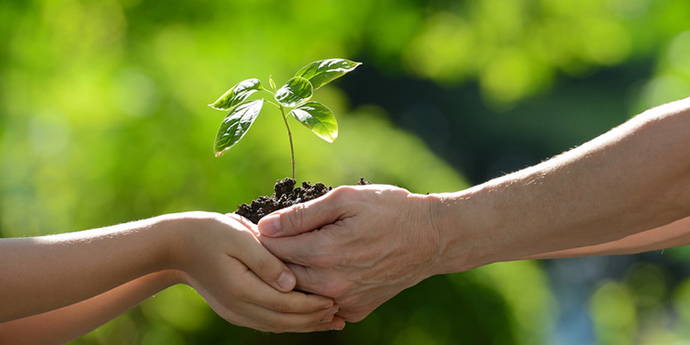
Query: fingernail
[327, 305]
[270, 225]
[286, 281]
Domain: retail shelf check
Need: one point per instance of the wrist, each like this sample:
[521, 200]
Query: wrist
[172, 239]
[182, 234]
[169, 277]
[465, 225]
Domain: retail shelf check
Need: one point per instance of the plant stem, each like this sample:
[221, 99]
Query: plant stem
[272, 103]
[292, 149]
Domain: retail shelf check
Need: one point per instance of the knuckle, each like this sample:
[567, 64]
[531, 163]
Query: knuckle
[268, 267]
[261, 263]
[293, 219]
[341, 193]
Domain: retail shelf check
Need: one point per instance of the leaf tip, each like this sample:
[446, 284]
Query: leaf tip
[329, 137]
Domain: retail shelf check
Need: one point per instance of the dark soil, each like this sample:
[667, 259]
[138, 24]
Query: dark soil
[285, 195]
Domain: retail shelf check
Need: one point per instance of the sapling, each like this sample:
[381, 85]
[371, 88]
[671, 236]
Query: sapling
[292, 98]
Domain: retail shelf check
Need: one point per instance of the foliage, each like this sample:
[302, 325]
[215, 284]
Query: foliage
[294, 97]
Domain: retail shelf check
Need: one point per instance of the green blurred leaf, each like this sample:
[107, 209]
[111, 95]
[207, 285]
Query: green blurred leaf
[236, 125]
[322, 72]
[237, 94]
[294, 92]
[318, 118]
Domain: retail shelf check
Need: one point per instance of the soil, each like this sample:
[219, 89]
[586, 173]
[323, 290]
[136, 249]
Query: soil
[285, 195]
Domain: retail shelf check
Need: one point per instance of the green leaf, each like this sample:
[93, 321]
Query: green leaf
[294, 92]
[322, 72]
[237, 94]
[318, 118]
[236, 125]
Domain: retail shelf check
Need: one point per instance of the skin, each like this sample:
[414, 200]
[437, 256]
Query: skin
[672, 235]
[79, 280]
[61, 325]
[626, 191]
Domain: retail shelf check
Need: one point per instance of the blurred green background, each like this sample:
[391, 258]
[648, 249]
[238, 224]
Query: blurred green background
[103, 119]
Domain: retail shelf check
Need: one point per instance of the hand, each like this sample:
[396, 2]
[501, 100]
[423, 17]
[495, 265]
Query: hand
[221, 258]
[361, 245]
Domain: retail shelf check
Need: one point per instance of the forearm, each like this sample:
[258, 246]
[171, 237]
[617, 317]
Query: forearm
[667, 236]
[44, 273]
[633, 178]
[64, 324]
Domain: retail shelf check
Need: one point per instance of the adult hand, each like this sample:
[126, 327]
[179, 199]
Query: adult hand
[222, 259]
[361, 245]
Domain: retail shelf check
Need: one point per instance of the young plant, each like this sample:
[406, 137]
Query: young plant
[292, 98]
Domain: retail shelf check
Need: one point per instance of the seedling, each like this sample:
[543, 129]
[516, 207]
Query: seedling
[292, 98]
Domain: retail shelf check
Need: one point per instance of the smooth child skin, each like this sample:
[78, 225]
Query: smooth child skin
[626, 191]
[71, 283]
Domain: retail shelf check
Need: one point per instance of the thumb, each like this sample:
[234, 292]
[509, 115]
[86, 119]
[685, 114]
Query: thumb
[304, 217]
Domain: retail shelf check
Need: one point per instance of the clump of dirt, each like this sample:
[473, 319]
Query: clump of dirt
[285, 195]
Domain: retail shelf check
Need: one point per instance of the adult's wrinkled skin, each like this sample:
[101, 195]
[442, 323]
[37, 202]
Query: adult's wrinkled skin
[371, 243]
[626, 191]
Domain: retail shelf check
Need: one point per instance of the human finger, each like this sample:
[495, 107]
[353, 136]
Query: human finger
[308, 216]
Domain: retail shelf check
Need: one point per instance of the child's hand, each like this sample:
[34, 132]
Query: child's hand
[223, 260]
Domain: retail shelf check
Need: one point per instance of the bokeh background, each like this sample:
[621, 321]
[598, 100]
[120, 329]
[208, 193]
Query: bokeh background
[103, 119]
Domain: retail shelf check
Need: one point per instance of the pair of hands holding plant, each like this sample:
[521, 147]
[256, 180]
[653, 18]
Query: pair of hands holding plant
[55, 288]
[221, 257]
[363, 245]
[626, 191]
[218, 255]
